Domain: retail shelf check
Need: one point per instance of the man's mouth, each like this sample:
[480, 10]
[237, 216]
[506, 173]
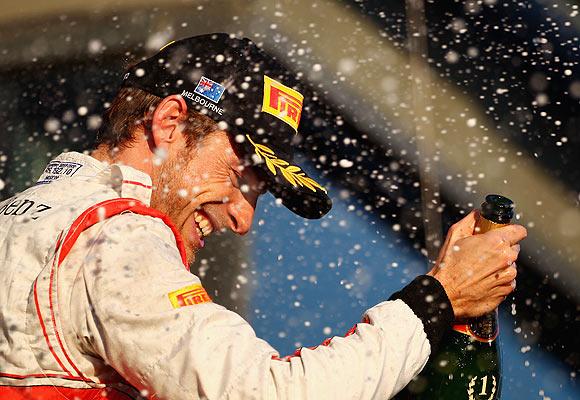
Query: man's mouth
[203, 225]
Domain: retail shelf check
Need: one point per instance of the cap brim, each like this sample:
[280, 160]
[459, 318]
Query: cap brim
[301, 200]
[288, 182]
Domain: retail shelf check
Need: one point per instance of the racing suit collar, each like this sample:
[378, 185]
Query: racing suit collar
[127, 181]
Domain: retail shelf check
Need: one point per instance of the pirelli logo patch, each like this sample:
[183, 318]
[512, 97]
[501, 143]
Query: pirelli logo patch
[188, 296]
[282, 102]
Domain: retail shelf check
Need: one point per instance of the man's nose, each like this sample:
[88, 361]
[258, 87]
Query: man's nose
[241, 214]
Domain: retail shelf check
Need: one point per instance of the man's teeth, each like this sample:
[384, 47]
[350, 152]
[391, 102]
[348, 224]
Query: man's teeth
[203, 225]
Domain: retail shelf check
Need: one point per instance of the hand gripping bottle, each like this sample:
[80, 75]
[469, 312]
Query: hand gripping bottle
[467, 365]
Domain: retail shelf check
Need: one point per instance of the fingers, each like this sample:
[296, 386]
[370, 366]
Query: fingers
[511, 234]
[504, 283]
[502, 291]
[500, 242]
[512, 254]
[492, 301]
[502, 269]
[505, 276]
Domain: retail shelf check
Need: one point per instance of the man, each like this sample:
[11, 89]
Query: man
[96, 297]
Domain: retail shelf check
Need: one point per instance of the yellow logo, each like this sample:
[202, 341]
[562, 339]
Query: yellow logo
[291, 173]
[188, 296]
[282, 102]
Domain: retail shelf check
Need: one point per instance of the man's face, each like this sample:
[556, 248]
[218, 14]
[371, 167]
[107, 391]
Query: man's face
[204, 189]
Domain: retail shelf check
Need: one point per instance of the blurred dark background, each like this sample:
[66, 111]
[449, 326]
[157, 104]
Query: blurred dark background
[416, 111]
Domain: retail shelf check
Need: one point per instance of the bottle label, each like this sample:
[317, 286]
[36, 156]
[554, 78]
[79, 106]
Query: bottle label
[482, 387]
[483, 329]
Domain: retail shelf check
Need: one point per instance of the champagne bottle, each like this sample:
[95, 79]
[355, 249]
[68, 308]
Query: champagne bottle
[467, 365]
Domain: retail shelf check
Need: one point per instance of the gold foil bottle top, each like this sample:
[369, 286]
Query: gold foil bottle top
[496, 211]
[483, 225]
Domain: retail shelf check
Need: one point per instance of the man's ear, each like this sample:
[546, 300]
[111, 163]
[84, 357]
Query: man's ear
[167, 119]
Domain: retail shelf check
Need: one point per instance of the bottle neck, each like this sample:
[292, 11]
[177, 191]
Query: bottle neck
[485, 225]
[484, 328]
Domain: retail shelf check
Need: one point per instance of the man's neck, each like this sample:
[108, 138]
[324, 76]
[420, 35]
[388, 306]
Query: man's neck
[104, 154]
[137, 156]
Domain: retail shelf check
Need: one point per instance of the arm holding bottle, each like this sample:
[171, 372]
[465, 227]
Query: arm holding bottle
[478, 271]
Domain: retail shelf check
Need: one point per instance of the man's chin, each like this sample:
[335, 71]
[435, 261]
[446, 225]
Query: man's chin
[190, 255]
[192, 240]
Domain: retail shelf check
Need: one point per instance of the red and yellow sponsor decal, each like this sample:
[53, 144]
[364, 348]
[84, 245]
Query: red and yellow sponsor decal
[188, 296]
[282, 102]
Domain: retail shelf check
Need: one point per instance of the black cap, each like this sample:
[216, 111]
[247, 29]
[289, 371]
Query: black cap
[253, 98]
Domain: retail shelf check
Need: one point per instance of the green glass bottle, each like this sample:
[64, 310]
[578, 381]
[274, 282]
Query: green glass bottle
[467, 365]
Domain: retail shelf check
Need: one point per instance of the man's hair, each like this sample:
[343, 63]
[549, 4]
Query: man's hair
[132, 107]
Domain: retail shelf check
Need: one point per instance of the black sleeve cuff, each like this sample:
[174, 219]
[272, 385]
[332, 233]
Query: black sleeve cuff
[428, 300]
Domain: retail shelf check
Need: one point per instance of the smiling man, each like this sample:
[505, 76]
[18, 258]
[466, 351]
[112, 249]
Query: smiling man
[96, 297]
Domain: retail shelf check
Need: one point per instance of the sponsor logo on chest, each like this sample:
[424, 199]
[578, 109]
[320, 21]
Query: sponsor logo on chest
[57, 169]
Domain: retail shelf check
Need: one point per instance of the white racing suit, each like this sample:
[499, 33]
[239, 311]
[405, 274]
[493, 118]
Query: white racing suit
[96, 301]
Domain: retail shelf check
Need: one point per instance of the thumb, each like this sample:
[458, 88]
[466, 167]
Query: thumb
[464, 227]
[461, 229]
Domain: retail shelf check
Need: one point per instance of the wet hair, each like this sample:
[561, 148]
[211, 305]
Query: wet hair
[133, 107]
